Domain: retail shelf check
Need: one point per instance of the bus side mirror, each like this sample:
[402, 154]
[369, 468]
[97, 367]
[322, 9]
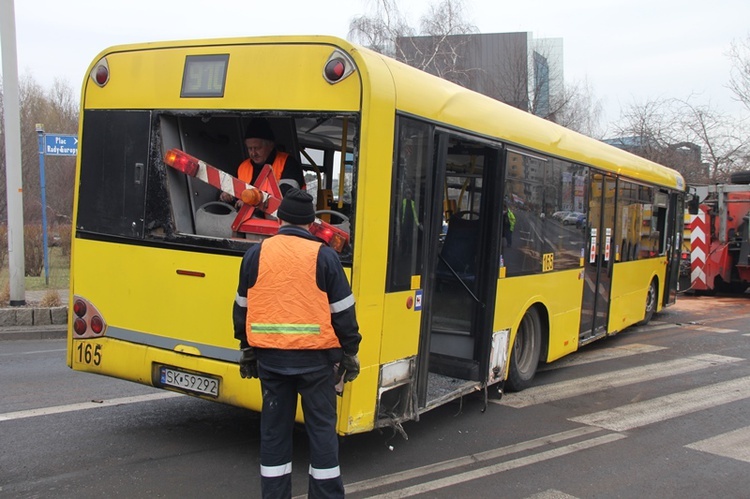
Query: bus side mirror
[693, 204]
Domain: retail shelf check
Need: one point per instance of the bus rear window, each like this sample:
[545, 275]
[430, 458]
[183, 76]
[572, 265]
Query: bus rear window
[114, 157]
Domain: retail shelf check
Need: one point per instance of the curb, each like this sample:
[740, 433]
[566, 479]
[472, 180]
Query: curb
[36, 323]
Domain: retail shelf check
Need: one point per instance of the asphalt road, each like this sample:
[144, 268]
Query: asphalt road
[659, 411]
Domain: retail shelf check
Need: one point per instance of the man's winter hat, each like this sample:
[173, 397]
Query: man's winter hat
[258, 128]
[297, 207]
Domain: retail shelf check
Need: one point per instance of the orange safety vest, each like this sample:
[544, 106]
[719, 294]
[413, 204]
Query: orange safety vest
[245, 170]
[285, 308]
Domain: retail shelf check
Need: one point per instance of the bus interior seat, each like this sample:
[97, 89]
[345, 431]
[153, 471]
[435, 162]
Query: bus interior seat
[459, 250]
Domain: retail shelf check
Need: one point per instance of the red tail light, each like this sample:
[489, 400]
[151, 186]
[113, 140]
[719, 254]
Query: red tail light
[338, 66]
[88, 322]
[100, 73]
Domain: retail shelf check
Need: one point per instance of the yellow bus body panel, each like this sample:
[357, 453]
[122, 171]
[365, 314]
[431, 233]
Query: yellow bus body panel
[630, 282]
[559, 296]
[399, 325]
[152, 79]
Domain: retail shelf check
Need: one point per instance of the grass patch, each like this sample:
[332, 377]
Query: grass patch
[59, 273]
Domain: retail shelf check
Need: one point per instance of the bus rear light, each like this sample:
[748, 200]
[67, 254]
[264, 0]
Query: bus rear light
[338, 66]
[87, 322]
[335, 70]
[79, 308]
[97, 324]
[100, 73]
[79, 326]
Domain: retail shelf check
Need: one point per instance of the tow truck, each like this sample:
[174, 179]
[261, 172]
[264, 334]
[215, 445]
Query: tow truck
[719, 236]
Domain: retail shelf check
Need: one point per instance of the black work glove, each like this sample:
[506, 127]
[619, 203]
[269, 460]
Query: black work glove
[350, 366]
[248, 363]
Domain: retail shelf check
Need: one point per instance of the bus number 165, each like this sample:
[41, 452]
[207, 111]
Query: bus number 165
[89, 354]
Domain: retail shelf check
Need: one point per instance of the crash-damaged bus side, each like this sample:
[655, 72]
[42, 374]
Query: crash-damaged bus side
[413, 178]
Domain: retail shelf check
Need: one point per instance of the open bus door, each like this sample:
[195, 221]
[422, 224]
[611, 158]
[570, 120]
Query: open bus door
[675, 228]
[460, 271]
[599, 257]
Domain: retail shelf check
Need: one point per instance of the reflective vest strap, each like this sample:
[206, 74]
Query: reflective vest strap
[285, 328]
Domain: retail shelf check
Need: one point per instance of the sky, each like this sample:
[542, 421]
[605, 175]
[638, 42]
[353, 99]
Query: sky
[629, 52]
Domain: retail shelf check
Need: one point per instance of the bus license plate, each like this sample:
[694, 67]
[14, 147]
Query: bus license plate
[189, 381]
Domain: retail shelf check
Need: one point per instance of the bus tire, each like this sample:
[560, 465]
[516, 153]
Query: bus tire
[651, 297]
[524, 357]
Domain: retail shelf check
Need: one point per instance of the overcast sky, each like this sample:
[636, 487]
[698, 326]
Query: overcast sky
[630, 51]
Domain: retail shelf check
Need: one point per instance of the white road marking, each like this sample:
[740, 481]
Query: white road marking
[449, 481]
[46, 411]
[580, 358]
[651, 326]
[670, 406]
[450, 464]
[734, 445]
[16, 354]
[611, 379]
[708, 329]
[552, 494]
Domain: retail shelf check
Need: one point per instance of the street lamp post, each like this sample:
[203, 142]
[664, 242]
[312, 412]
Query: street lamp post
[40, 135]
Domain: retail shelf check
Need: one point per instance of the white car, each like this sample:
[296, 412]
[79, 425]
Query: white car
[573, 218]
[559, 215]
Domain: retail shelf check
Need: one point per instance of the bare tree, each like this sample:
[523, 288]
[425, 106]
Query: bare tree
[578, 108]
[436, 48]
[720, 136]
[739, 77]
[380, 30]
[700, 142]
[511, 67]
[57, 109]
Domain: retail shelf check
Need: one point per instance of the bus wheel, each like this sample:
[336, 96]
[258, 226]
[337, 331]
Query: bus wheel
[527, 348]
[651, 298]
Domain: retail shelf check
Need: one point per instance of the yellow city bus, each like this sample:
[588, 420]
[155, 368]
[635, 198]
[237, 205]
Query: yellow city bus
[418, 173]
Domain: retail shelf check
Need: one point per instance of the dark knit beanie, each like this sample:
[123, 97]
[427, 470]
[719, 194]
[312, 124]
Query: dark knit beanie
[297, 208]
[258, 128]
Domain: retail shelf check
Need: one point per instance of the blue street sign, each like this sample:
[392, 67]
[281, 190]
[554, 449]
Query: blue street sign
[60, 145]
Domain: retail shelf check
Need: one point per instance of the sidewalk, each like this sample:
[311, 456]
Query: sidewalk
[33, 321]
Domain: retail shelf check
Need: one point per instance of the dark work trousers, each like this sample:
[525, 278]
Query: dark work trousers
[317, 390]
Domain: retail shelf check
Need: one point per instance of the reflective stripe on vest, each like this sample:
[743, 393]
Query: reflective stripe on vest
[245, 170]
[285, 308]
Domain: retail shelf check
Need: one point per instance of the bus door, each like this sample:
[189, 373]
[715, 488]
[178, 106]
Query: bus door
[598, 256]
[461, 256]
[675, 227]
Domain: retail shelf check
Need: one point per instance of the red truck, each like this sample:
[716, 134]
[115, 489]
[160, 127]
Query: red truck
[719, 240]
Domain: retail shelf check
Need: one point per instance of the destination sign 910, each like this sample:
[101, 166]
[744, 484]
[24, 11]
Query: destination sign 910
[204, 75]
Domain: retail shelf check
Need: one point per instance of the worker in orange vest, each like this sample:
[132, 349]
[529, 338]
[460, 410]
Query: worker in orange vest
[294, 316]
[261, 149]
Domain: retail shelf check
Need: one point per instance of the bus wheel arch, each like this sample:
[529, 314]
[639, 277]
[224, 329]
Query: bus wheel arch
[526, 351]
[652, 299]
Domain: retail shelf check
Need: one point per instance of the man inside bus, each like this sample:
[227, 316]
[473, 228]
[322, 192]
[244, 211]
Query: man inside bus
[261, 149]
[294, 316]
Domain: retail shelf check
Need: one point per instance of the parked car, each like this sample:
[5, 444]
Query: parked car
[559, 215]
[573, 218]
